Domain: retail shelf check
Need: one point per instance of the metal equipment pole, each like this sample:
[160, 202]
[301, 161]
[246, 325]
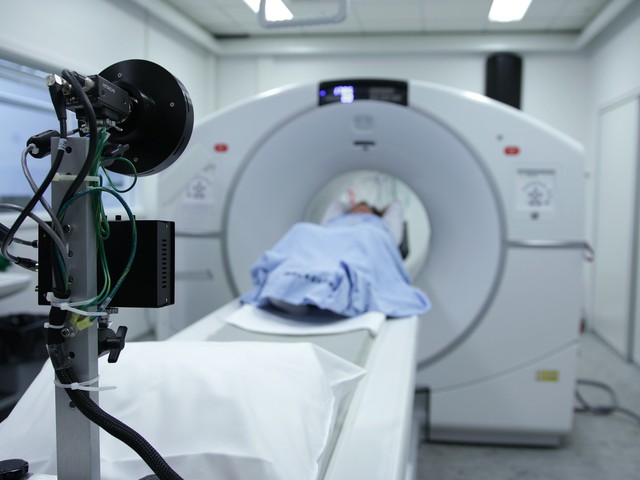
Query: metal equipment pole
[77, 437]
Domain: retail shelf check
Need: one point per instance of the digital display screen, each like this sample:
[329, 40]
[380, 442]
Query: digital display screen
[349, 91]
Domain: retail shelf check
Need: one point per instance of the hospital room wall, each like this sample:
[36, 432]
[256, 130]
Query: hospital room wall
[553, 87]
[614, 154]
[88, 37]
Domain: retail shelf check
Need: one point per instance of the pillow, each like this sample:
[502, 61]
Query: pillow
[234, 410]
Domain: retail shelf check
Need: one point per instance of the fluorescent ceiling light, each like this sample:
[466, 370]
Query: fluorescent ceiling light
[508, 10]
[275, 9]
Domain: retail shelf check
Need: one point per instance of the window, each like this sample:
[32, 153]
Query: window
[25, 110]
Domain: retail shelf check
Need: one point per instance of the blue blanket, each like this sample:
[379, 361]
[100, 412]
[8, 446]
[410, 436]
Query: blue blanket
[349, 266]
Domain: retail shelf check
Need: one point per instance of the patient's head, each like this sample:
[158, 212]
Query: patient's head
[364, 207]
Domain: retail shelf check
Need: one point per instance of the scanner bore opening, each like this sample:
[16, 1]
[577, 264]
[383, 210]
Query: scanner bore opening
[379, 189]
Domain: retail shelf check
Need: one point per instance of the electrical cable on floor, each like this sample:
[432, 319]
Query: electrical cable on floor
[613, 407]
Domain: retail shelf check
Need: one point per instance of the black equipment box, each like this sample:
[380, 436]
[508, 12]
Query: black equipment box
[151, 280]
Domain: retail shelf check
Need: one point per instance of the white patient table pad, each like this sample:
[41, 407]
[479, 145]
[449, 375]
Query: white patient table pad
[374, 433]
[260, 320]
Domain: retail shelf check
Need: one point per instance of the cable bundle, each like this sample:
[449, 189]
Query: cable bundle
[89, 173]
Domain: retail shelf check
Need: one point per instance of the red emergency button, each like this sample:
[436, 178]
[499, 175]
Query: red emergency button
[221, 147]
[512, 150]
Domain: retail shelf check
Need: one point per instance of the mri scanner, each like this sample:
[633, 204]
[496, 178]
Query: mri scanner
[504, 195]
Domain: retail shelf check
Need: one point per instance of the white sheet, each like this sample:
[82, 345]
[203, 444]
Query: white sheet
[214, 410]
[255, 319]
[350, 266]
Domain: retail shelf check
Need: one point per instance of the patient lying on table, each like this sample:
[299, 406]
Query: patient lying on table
[349, 265]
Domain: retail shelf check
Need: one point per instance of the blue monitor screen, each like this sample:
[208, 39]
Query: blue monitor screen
[349, 91]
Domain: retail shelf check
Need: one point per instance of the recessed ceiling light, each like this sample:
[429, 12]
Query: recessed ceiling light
[275, 9]
[508, 10]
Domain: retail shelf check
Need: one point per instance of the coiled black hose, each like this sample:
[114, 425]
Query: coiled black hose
[115, 427]
[91, 410]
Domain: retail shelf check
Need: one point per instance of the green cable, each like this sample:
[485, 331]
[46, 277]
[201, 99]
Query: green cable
[113, 185]
[134, 238]
[4, 263]
[103, 231]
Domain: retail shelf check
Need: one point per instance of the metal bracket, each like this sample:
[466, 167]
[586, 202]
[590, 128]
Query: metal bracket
[306, 21]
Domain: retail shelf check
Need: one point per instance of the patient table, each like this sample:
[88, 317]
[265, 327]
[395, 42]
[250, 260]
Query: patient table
[377, 438]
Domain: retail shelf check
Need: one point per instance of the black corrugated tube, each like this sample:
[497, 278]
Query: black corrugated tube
[92, 410]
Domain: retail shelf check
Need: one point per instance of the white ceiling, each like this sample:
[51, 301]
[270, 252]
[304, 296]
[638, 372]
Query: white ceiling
[233, 18]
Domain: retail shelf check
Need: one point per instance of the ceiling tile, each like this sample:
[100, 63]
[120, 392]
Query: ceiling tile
[453, 25]
[376, 11]
[233, 17]
[545, 8]
[240, 13]
[583, 8]
[451, 9]
[399, 25]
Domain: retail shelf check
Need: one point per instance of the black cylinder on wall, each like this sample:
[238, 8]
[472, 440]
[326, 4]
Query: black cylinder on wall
[503, 81]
